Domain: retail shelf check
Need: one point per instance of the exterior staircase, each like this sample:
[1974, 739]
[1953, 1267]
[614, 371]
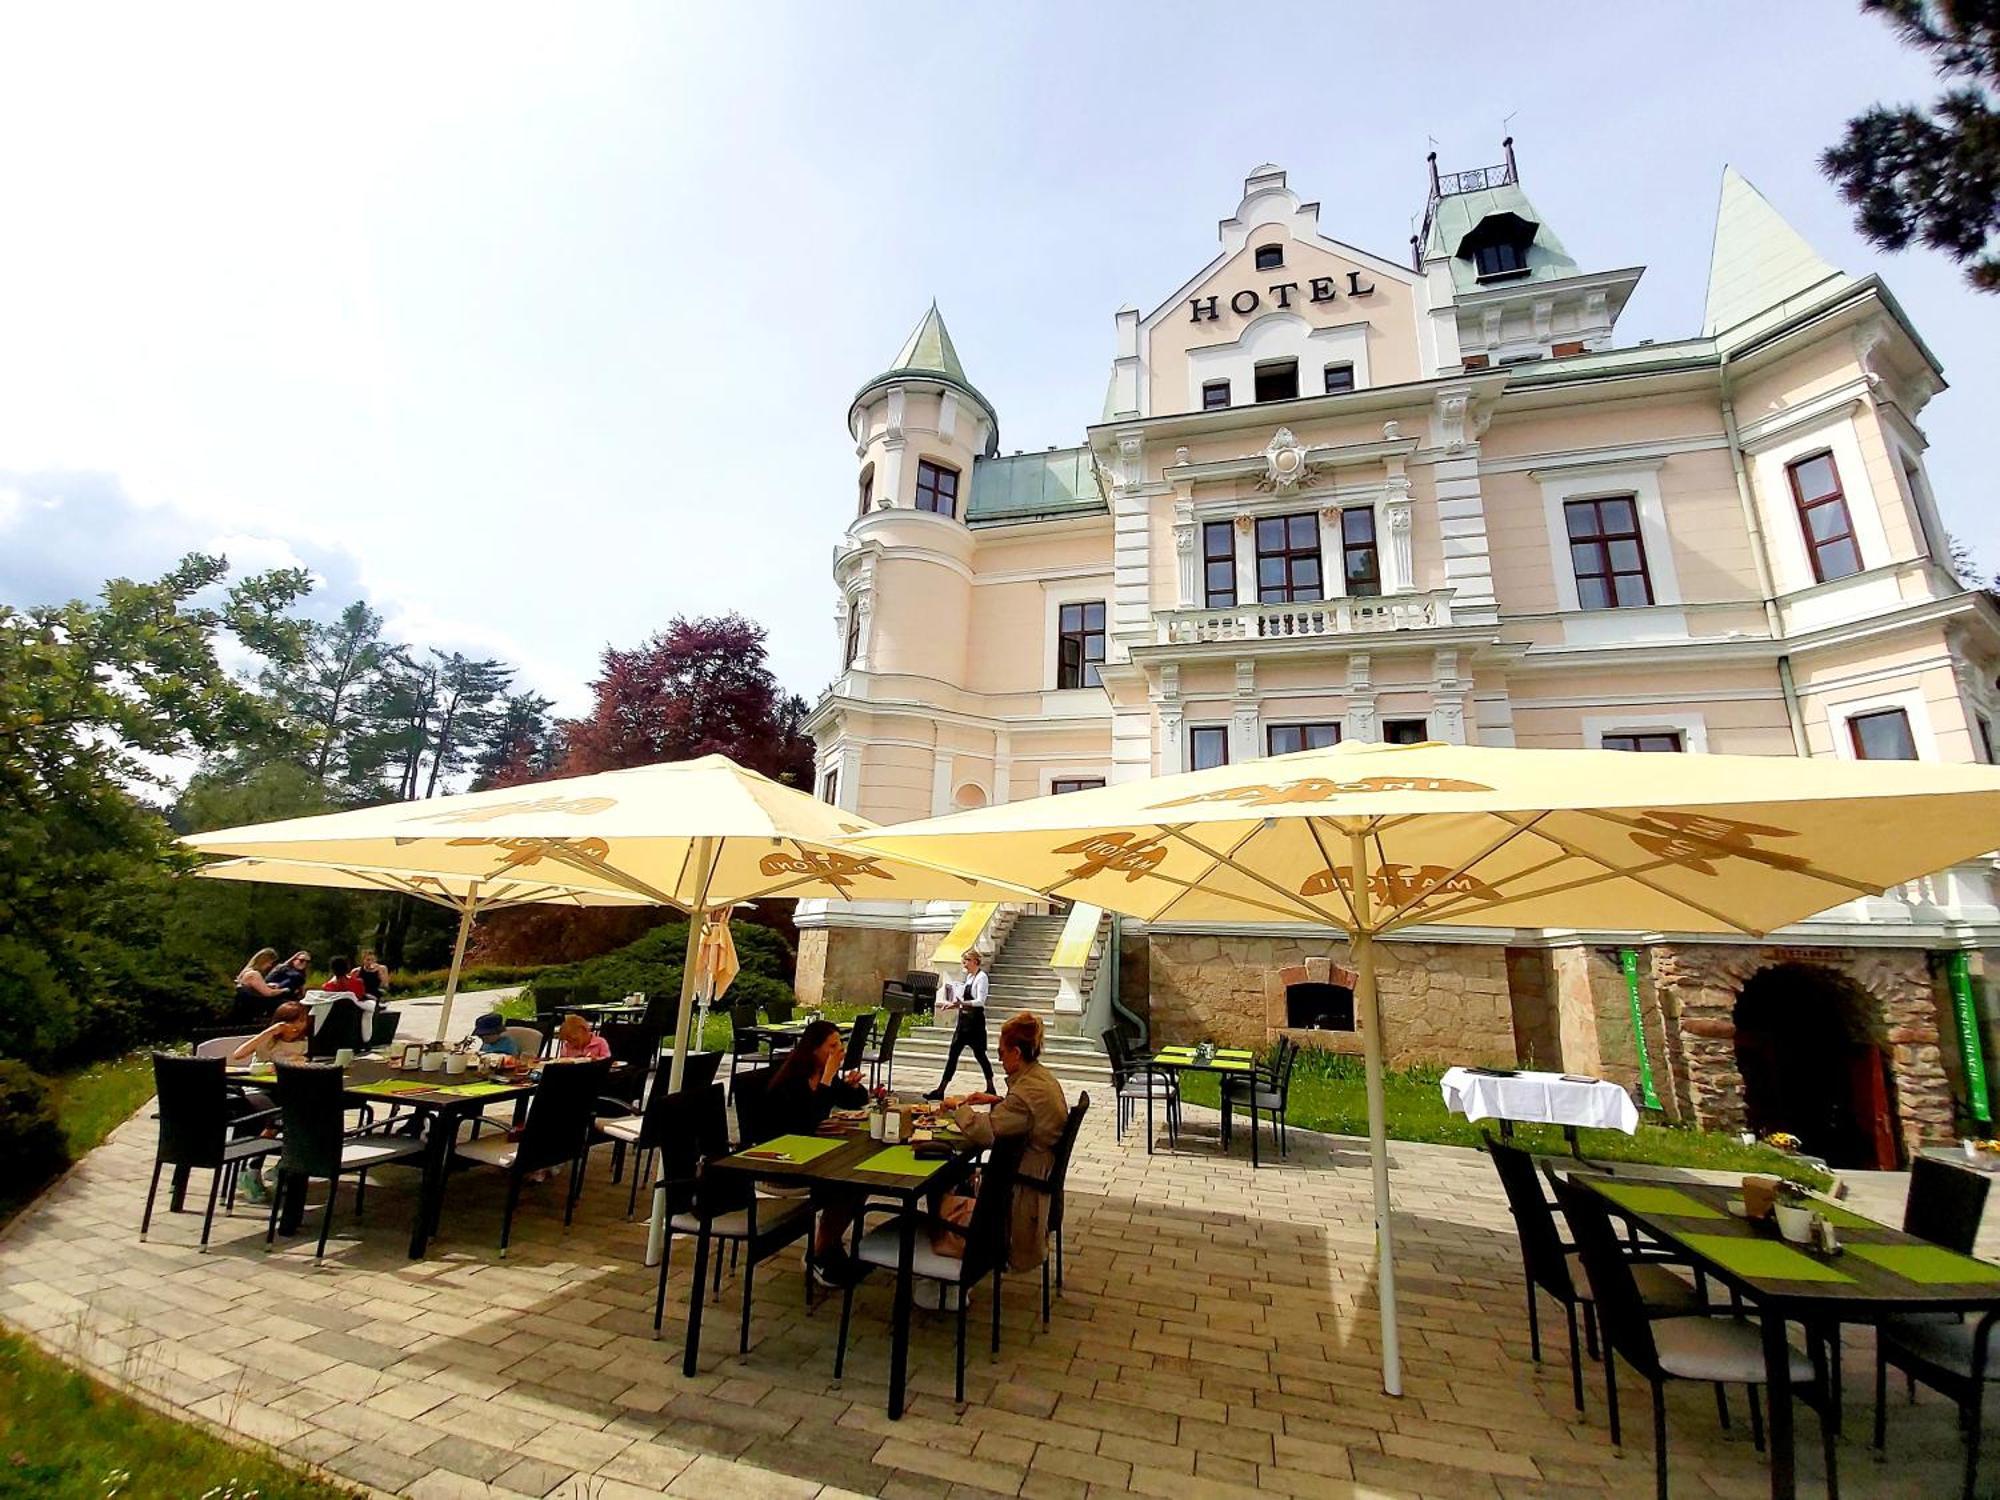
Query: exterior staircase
[1019, 978]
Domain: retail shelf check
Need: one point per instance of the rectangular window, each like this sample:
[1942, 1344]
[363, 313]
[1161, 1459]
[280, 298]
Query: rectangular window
[853, 646]
[1079, 645]
[1214, 395]
[1607, 552]
[1074, 784]
[1278, 381]
[1882, 735]
[1208, 746]
[1360, 563]
[1339, 378]
[1270, 257]
[1505, 258]
[1289, 739]
[937, 488]
[1288, 559]
[1218, 565]
[1829, 530]
[1655, 740]
[829, 788]
[1405, 731]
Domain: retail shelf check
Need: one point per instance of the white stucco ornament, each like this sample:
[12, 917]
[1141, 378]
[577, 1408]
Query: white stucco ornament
[1284, 460]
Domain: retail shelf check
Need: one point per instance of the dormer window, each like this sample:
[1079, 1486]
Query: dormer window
[1270, 257]
[1278, 380]
[1498, 246]
[1503, 259]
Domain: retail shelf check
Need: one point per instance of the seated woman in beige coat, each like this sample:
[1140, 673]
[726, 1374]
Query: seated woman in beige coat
[1033, 1106]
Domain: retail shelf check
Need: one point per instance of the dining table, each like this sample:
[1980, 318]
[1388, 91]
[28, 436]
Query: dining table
[847, 1159]
[443, 1101]
[1878, 1273]
[1224, 1062]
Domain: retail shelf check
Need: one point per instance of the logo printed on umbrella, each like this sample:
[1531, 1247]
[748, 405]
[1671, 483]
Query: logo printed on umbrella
[521, 853]
[1322, 788]
[1113, 851]
[577, 806]
[1694, 840]
[837, 870]
[1398, 885]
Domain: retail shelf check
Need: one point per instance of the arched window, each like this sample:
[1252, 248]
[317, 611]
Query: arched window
[1270, 257]
[867, 489]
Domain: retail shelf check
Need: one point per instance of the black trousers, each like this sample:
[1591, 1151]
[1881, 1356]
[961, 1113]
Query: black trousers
[970, 1032]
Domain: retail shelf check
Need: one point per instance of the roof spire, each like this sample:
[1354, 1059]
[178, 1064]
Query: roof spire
[929, 348]
[1759, 261]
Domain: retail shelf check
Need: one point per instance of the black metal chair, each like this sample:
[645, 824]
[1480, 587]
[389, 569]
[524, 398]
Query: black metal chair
[1716, 1350]
[985, 1248]
[779, 1011]
[552, 1003]
[1267, 1090]
[1545, 1267]
[881, 1063]
[636, 1047]
[383, 1029]
[642, 1131]
[1953, 1358]
[897, 997]
[746, 1100]
[317, 1143]
[859, 1031]
[585, 994]
[663, 1013]
[743, 1042]
[1134, 1081]
[339, 1025]
[1055, 1185]
[1945, 1203]
[557, 1132]
[923, 987]
[695, 1130]
[195, 1131]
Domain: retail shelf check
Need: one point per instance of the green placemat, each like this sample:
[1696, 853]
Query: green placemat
[1928, 1265]
[1231, 1065]
[476, 1090]
[901, 1161]
[1773, 1260]
[1843, 1218]
[391, 1086]
[1647, 1198]
[794, 1149]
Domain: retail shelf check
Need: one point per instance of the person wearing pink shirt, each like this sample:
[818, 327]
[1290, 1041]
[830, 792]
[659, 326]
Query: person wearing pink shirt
[575, 1039]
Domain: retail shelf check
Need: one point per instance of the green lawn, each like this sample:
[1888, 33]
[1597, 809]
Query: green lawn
[1328, 1093]
[63, 1436]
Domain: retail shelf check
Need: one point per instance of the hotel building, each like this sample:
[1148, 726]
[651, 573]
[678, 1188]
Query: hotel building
[1334, 495]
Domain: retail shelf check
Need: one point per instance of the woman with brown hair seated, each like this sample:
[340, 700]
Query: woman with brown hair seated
[807, 1087]
[1034, 1107]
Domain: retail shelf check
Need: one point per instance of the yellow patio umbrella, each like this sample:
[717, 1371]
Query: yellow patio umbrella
[696, 834]
[468, 895]
[1370, 839]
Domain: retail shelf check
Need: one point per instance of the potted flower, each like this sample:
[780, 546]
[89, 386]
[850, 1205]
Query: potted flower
[1783, 1140]
[1793, 1210]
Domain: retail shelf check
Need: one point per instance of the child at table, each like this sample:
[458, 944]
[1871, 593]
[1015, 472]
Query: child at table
[575, 1040]
[491, 1030]
[283, 1040]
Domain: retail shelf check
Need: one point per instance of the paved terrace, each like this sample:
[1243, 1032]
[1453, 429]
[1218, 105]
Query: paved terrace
[1217, 1340]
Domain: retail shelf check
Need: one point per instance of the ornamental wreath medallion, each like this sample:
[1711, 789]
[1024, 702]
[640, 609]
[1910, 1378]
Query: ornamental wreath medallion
[1284, 461]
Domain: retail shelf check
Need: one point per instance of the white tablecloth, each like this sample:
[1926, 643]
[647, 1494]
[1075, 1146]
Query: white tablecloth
[1545, 1098]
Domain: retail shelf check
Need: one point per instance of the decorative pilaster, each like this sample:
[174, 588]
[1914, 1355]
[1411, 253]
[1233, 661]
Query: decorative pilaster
[1244, 720]
[1191, 592]
[1448, 698]
[1362, 724]
[1168, 706]
[1468, 563]
[1131, 550]
[1003, 767]
[1399, 573]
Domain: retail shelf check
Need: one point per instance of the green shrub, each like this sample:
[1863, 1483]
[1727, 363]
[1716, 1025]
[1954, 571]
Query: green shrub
[31, 1136]
[471, 977]
[652, 966]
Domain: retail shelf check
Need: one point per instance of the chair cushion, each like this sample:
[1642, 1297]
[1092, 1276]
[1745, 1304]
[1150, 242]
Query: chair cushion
[624, 1128]
[1719, 1349]
[374, 1150]
[771, 1213]
[1138, 1088]
[882, 1246]
[490, 1150]
[1941, 1341]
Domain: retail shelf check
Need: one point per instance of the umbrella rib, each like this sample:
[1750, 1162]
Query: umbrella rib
[1312, 827]
[566, 853]
[1253, 876]
[1769, 858]
[1189, 887]
[1514, 831]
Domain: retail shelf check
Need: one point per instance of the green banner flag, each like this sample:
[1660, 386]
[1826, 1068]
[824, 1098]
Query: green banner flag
[1628, 960]
[1959, 967]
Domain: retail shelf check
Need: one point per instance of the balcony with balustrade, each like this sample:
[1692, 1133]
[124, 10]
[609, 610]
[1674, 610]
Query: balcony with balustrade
[1361, 616]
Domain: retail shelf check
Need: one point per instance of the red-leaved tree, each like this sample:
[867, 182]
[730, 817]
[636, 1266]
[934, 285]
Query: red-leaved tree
[699, 687]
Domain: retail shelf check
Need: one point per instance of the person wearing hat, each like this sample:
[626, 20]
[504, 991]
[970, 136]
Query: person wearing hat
[491, 1029]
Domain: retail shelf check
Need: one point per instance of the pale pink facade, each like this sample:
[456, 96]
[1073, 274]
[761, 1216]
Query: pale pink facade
[1335, 495]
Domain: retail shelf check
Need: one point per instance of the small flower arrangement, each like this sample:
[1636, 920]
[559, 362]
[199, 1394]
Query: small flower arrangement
[1782, 1140]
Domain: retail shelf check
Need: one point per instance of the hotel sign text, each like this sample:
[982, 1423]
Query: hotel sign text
[1247, 301]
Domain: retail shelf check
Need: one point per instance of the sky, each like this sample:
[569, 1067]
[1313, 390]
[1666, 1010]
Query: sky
[536, 326]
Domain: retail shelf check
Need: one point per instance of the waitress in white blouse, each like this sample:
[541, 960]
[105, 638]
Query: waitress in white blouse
[969, 999]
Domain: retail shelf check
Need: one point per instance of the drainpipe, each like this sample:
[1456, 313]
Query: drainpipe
[1760, 555]
[1113, 944]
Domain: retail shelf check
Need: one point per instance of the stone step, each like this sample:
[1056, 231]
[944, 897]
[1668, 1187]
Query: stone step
[1074, 1059]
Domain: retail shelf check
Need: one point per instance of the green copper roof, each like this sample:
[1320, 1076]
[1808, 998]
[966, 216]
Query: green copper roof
[1025, 486]
[927, 354]
[1759, 264]
[1458, 214]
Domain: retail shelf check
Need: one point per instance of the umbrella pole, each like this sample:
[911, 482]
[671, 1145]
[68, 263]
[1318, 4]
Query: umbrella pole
[1367, 1003]
[457, 960]
[704, 856]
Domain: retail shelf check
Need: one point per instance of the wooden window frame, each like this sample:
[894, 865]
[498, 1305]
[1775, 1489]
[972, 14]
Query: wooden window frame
[1372, 581]
[1601, 539]
[829, 787]
[1061, 786]
[1277, 261]
[1291, 556]
[1075, 666]
[1273, 367]
[1210, 389]
[1305, 732]
[933, 494]
[1342, 365]
[867, 487]
[1854, 722]
[1211, 596]
[851, 647]
[1645, 741]
[1196, 731]
[1805, 507]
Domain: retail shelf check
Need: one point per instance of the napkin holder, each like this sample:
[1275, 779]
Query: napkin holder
[1760, 1196]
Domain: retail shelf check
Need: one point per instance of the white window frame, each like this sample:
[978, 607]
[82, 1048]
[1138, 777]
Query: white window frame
[1692, 728]
[1050, 775]
[1784, 528]
[1054, 597]
[1640, 480]
[1188, 729]
[1915, 707]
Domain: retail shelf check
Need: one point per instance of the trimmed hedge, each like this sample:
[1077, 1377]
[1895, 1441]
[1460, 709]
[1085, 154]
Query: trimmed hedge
[31, 1134]
[652, 966]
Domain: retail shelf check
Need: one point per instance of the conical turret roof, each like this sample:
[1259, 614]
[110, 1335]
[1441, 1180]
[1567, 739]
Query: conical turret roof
[928, 354]
[1759, 261]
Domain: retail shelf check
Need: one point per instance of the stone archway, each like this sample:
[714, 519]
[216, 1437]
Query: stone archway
[1809, 1048]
